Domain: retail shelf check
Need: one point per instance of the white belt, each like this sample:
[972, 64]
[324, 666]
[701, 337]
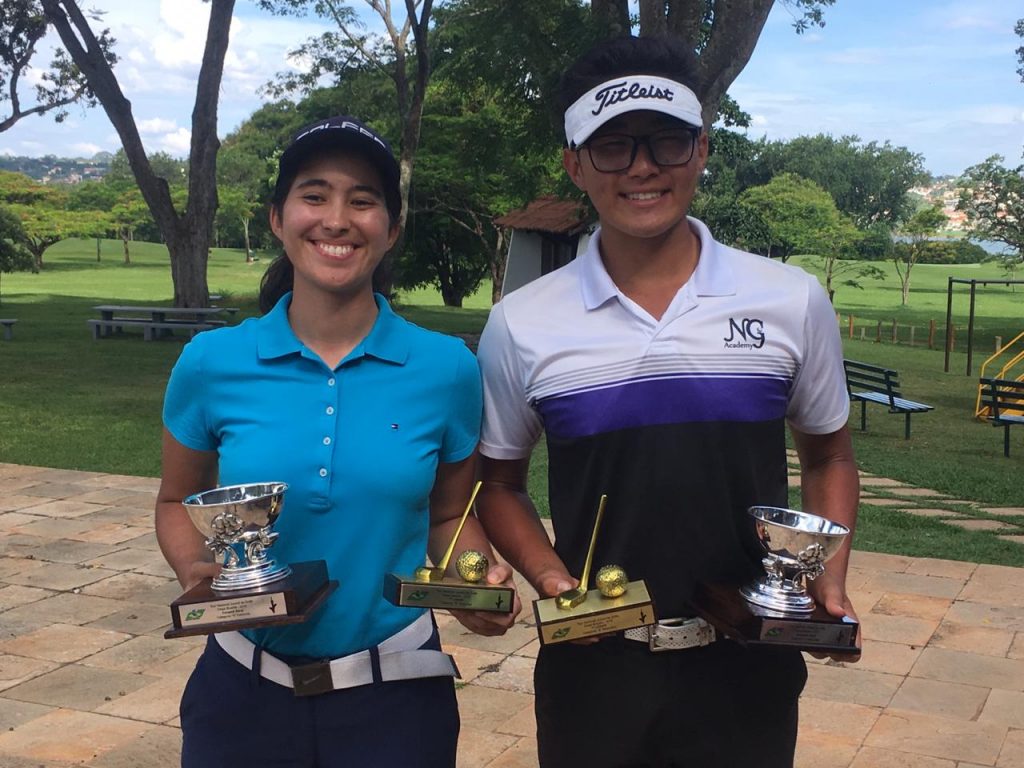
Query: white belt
[674, 634]
[400, 659]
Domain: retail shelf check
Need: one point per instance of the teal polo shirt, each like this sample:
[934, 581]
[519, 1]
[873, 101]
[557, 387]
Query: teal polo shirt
[358, 445]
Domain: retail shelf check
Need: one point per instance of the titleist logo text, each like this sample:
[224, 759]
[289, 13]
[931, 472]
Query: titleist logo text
[616, 92]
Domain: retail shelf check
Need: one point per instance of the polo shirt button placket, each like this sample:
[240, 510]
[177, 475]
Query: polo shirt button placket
[330, 411]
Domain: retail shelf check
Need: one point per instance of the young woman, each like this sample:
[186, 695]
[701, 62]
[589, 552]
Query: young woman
[373, 423]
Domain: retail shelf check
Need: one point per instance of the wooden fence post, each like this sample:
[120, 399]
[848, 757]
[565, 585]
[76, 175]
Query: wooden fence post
[931, 334]
[894, 330]
[850, 325]
[912, 335]
[878, 333]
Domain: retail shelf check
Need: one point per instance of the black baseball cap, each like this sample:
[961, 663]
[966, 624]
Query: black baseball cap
[347, 133]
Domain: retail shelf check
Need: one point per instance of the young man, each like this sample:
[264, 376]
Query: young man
[662, 368]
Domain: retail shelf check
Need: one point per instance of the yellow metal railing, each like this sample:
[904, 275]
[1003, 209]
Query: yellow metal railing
[1005, 372]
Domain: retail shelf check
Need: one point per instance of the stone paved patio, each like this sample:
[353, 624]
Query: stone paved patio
[87, 679]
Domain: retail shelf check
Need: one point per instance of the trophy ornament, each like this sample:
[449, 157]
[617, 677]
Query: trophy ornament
[430, 587]
[236, 521]
[796, 545]
[472, 566]
[614, 604]
[611, 581]
[571, 598]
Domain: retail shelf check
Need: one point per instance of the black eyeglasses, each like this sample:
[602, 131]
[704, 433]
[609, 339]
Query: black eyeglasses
[613, 152]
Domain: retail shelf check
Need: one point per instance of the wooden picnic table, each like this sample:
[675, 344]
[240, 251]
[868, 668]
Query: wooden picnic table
[155, 321]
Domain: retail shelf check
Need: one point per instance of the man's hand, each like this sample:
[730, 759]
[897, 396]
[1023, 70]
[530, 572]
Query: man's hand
[492, 623]
[552, 583]
[830, 593]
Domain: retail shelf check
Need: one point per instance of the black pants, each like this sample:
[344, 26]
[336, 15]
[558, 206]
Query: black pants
[614, 704]
[232, 718]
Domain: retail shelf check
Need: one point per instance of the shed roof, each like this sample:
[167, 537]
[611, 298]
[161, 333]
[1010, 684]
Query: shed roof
[547, 214]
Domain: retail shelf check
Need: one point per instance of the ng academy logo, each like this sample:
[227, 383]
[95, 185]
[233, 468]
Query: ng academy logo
[747, 333]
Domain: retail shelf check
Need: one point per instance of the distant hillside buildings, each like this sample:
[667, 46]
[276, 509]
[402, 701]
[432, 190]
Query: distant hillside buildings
[945, 194]
[58, 170]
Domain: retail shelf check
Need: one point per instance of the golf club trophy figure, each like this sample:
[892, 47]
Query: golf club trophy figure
[431, 588]
[251, 590]
[616, 603]
[776, 608]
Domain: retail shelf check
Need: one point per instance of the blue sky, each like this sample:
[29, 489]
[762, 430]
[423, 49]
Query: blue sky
[936, 76]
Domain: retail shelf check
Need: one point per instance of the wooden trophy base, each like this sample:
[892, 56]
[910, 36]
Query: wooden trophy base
[728, 611]
[597, 615]
[291, 600]
[449, 593]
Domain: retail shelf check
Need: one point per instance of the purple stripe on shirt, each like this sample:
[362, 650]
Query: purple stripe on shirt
[677, 400]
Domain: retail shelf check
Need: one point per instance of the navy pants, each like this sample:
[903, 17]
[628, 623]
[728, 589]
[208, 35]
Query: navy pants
[614, 704]
[231, 717]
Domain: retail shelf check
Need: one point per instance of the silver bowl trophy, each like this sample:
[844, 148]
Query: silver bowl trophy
[776, 608]
[432, 588]
[615, 604]
[251, 590]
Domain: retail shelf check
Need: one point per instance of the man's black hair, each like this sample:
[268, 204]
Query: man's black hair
[660, 56]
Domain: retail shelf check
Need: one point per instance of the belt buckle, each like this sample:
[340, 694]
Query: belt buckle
[312, 679]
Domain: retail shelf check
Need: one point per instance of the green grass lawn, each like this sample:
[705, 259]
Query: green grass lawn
[70, 402]
[999, 309]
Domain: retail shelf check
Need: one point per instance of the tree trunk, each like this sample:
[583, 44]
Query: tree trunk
[125, 238]
[410, 108]
[735, 27]
[248, 247]
[187, 235]
[499, 260]
[98, 241]
[613, 15]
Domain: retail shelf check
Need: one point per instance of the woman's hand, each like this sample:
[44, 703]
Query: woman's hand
[492, 623]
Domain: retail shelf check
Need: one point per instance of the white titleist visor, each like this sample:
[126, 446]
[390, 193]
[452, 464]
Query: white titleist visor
[631, 93]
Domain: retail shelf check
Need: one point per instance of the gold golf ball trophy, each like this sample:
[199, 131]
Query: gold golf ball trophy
[615, 604]
[430, 587]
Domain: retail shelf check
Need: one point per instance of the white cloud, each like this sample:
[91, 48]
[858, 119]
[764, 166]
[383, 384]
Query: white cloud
[86, 149]
[7, 151]
[156, 125]
[758, 120]
[180, 44]
[176, 143]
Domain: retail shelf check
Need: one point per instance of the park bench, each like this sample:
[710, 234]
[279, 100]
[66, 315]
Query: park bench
[151, 329]
[1004, 400]
[875, 384]
[8, 325]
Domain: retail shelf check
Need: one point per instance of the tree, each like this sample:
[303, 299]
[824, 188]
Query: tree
[38, 208]
[918, 230]
[721, 33]
[1019, 29]
[13, 254]
[127, 214]
[402, 53]
[237, 206]
[22, 26]
[801, 217]
[447, 255]
[187, 233]
[869, 182]
[43, 226]
[992, 197]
